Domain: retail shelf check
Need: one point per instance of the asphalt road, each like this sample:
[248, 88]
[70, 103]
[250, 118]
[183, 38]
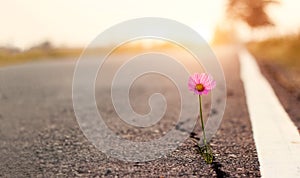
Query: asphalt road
[40, 136]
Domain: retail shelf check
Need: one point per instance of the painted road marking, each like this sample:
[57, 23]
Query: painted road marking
[276, 137]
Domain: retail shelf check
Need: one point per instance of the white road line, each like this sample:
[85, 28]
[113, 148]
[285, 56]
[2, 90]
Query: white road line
[276, 137]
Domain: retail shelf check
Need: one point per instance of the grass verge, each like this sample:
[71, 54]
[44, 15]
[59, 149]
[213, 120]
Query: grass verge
[281, 56]
[10, 58]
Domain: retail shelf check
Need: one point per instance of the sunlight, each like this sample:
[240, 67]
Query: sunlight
[150, 43]
[206, 34]
[76, 23]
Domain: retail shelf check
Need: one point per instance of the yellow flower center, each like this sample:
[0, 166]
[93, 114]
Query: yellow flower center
[199, 87]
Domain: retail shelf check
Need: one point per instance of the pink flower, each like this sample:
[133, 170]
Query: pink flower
[201, 83]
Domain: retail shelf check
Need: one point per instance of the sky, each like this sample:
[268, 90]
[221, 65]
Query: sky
[75, 23]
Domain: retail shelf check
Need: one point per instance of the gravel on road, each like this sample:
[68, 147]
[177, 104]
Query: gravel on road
[40, 137]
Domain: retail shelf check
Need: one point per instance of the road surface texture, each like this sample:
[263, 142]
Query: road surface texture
[40, 137]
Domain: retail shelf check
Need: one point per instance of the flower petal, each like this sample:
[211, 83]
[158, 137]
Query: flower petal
[202, 75]
[196, 78]
[205, 79]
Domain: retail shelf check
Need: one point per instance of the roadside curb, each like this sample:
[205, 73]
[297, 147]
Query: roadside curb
[276, 137]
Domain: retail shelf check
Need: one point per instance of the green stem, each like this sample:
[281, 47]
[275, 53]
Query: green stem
[201, 118]
[205, 151]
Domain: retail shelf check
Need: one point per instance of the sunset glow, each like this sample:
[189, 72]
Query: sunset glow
[76, 23]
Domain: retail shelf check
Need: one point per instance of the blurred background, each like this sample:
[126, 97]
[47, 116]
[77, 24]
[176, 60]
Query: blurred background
[36, 30]
[31, 25]
[76, 23]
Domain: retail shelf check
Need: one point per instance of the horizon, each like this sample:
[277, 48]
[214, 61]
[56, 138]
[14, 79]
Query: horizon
[77, 26]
